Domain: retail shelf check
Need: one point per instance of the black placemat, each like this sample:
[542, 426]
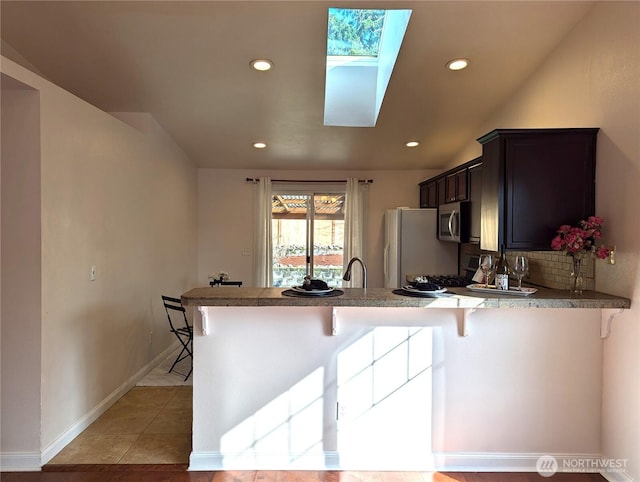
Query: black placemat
[422, 294]
[298, 294]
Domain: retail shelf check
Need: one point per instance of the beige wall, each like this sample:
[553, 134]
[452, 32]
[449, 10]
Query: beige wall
[593, 80]
[225, 215]
[125, 202]
[21, 267]
[107, 191]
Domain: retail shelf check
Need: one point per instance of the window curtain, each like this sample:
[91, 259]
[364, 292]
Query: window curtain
[354, 242]
[262, 272]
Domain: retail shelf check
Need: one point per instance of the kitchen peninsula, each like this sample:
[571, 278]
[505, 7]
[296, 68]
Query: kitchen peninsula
[371, 380]
[383, 297]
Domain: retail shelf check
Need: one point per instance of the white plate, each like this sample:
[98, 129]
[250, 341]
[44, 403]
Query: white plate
[492, 289]
[413, 289]
[300, 289]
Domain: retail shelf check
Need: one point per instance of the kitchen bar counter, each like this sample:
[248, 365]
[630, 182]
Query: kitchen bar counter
[370, 381]
[384, 297]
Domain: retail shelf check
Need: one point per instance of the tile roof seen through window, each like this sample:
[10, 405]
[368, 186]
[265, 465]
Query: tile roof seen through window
[296, 205]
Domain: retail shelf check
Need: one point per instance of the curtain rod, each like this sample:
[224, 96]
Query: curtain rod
[255, 180]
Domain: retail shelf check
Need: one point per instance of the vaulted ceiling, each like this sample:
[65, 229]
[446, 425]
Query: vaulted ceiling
[187, 64]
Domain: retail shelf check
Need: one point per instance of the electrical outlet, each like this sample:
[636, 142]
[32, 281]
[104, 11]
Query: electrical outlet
[92, 276]
[245, 252]
[341, 411]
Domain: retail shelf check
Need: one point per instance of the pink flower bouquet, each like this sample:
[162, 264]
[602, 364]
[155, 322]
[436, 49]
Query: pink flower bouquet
[581, 240]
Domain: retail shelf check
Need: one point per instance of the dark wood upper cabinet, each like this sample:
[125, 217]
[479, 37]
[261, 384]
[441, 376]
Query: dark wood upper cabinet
[442, 190]
[450, 188]
[533, 181]
[461, 185]
[447, 187]
[456, 186]
[429, 195]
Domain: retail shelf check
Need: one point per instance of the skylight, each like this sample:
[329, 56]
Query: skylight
[354, 32]
[362, 48]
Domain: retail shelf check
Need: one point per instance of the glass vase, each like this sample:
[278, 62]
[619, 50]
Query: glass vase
[576, 279]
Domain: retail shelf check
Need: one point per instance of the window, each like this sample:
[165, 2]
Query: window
[354, 32]
[307, 237]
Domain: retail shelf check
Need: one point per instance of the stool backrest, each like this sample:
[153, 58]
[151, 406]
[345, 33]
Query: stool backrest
[174, 305]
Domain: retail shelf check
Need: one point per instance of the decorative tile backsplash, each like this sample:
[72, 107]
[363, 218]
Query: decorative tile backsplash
[546, 268]
[552, 269]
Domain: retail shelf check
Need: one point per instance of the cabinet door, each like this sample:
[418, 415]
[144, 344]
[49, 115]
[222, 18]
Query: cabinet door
[456, 186]
[441, 190]
[429, 195]
[451, 188]
[432, 194]
[549, 182]
[423, 196]
[533, 181]
[461, 185]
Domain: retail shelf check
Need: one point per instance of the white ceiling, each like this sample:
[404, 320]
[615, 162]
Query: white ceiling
[187, 63]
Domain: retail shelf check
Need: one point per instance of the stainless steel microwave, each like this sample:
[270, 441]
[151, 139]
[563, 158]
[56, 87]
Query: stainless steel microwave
[454, 222]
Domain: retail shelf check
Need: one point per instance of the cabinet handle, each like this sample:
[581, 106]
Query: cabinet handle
[386, 259]
[453, 213]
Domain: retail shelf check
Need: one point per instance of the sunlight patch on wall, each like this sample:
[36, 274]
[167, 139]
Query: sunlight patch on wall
[289, 425]
[385, 397]
[383, 385]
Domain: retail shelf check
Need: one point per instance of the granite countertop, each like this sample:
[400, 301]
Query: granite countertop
[384, 297]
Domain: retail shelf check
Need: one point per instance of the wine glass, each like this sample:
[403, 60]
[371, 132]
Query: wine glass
[520, 268]
[486, 266]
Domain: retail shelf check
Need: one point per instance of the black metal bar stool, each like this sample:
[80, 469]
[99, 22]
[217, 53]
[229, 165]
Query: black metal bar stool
[184, 334]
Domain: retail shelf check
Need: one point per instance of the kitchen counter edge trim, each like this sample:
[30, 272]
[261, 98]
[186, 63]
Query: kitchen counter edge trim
[383, 297]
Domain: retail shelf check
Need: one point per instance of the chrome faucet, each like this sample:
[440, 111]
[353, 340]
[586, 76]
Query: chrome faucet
[347, 274]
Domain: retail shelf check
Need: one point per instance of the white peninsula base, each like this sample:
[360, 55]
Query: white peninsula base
[395, 388]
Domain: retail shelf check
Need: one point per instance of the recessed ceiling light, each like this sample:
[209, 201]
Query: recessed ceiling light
[261, 64]
[412, 144]
[259, 145]
[457, 64]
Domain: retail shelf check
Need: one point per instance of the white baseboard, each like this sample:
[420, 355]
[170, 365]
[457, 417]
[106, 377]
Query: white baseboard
[206, 461]
[512, 462]
[617, 476]
[77, 428]
[262, 461]
[20, 462]
[439, 461]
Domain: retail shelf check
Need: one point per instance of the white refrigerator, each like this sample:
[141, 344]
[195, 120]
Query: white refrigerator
[412, 247]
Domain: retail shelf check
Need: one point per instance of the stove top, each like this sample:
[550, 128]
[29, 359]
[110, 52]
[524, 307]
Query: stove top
[451, 281]
[469, 267]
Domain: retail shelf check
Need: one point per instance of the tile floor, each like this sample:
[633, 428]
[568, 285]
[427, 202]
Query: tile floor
[149, 425]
